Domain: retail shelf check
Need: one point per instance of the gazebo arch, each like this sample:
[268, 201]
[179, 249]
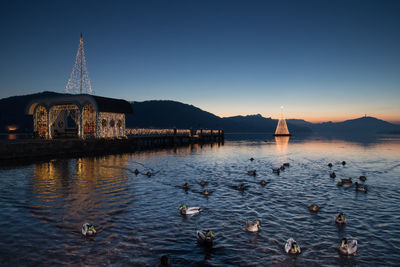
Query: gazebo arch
[94, 116]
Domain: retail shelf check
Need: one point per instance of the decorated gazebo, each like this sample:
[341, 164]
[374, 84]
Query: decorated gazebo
[82, 116]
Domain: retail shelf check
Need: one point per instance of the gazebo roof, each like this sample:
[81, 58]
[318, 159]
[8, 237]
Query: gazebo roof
[100, 104]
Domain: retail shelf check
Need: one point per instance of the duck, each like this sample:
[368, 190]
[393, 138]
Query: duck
[340, 219]
[361, 188]
[253, 226]
[205, 237]
[148, 174]
[251, 159]
[164, 261]
[185, 210]
[185, 186]
[282, 168]
[343, 162]
[348, 247]
[332, 175]
[313, 207]
[88, 229]
[277, 170]
[253, 172]
[263, 182]
[136, 171]
[291, 247]
[203, 183]
[241, 187]
[206, 192]
[363, 178]
[346, 182]
[330, 165]
[286, 164]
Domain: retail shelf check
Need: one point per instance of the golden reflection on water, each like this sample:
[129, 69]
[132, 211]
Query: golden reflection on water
[85, 189]
[282, 143]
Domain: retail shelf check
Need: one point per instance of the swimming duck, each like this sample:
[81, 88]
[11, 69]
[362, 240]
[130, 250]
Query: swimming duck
[203, 183]
[292, 247]
[253, 226]
[88, 230]
[282, 168]
[361, 188]
[363, 178]
[348, 247]
[277, 170]
[185, 210]
[253, 172]
[286, 164]
[346, 182]
[313, 207]
[241, 187]
[164, 261]
[343, 162]
[330, 165]
[263, 182]
[148, 174]
[136, 171]
[251, 159]
[185, 186]
[206, 192]
[205, 237]
[332, 175]
[340, 219]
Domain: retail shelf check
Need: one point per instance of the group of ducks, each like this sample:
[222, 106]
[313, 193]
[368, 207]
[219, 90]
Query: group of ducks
[206, 237]
[349, 181]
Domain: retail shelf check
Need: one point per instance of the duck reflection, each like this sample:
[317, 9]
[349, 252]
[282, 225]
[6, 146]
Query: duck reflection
[69, 193]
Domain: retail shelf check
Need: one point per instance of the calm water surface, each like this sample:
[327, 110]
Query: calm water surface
[43, 205]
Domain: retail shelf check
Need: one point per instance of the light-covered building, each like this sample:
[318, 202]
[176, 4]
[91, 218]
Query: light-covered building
[82, 116]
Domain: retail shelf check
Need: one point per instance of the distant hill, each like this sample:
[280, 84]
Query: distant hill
[168, 114]
[364, 125]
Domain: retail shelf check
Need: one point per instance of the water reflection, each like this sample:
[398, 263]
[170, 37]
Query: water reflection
[282, 143]
[68, 193]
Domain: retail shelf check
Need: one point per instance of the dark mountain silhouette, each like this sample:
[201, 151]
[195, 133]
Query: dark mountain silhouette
[168, 114]
[364, 125]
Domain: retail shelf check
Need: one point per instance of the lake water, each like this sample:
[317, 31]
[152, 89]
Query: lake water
[43, 205]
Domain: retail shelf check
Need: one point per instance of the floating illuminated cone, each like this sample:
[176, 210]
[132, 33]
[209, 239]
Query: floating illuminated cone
[282, 129]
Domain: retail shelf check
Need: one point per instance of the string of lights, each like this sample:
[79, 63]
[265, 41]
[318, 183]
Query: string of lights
[79, 81]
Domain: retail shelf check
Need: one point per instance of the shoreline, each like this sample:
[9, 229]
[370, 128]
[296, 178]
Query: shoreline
[16, 151]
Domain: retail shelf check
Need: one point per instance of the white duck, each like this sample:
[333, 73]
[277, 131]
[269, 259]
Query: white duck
[292, 247]
[88, 229]
[253, 226]
[185, 210]
[205, 237]
[348, 247]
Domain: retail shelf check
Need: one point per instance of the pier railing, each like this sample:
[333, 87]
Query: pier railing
[145, 132]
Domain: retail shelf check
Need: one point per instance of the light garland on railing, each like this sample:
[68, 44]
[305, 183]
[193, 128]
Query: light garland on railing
[110, 125]
[167, 132]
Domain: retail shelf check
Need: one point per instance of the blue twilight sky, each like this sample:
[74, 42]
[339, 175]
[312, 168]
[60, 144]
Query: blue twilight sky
[322, 60]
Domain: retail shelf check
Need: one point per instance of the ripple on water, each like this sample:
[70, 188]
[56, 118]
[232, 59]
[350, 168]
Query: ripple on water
[137, 219]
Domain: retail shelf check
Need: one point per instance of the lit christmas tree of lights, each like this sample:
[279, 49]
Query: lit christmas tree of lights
[282, 129]
[79, 80]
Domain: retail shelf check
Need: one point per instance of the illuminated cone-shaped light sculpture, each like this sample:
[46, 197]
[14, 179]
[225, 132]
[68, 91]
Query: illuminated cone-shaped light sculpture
[79, 80]
[282, 129]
